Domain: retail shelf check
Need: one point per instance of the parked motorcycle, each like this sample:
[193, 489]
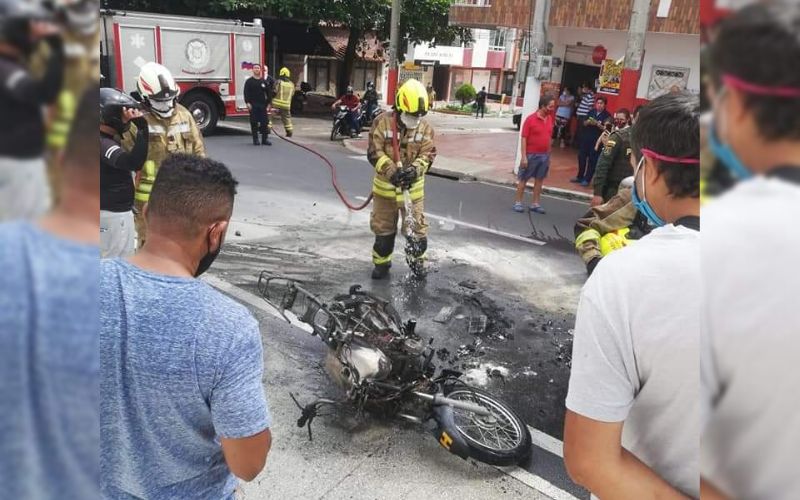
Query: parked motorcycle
[341, 123]
[372, 110]
[383, 365]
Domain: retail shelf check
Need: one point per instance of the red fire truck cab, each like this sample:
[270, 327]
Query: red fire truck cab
[210, 59]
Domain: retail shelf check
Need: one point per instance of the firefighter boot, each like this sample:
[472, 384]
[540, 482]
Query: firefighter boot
[382, 256]
[415, 255]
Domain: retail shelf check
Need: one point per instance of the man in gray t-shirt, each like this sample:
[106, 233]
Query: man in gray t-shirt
[183, 408]
[633, 422]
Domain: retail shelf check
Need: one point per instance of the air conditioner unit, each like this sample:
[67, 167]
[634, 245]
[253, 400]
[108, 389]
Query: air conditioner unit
[544, 68]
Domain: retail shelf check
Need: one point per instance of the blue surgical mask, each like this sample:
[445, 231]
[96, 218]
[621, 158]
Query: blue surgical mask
[724, 152]
[641, 204]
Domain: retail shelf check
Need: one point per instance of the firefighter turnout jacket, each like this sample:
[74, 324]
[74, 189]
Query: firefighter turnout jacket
[417, 149]
[609, 227]
[176, 134]
[284, 90]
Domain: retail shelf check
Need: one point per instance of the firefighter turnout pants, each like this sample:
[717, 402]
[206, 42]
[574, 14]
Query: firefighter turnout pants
[383, 222]
[286, 118]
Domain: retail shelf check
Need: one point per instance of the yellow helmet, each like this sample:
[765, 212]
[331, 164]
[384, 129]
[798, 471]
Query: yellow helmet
[412, 98]
[284, 72]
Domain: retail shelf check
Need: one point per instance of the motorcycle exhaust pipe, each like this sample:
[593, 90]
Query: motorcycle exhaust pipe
[439, 400]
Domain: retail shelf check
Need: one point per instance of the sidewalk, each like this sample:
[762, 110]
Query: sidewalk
[489, 157]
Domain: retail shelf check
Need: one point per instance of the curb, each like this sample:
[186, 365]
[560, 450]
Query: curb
[457, 175]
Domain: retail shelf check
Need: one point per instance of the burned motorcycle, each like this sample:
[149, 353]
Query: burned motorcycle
[382, 365]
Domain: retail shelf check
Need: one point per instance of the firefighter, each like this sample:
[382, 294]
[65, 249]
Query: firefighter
[608, 227]
[401, 148]
[172, 130]
[284, 91]
[80, 23]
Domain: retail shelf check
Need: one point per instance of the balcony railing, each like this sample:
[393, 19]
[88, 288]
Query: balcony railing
[472, 3]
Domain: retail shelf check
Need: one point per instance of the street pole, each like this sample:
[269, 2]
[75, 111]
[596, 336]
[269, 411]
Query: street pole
[394, 40]
[533, 86]
[634, 54]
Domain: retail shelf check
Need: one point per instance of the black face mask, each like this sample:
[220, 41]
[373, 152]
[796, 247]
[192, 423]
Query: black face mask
[207, 260]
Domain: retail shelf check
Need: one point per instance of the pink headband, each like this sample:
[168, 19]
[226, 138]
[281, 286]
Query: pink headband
[754, 88]
[671, 159]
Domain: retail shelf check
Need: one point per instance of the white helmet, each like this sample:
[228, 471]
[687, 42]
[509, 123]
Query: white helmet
[81, 15]
[626, 183]
[158, 89]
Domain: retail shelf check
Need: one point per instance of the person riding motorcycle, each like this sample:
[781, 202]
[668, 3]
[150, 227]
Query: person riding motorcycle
[284, 91]
[80, 23]
[370, 100]
[172, 130]
[609, 227]
[353, 103]
[401, 148]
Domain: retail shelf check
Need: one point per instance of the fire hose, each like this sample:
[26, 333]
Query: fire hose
[334, 178]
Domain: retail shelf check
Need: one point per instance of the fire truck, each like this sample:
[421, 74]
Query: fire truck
[209, 58]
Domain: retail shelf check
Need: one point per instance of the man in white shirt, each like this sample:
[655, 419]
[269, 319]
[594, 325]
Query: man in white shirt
[633, 421]
[750, 338]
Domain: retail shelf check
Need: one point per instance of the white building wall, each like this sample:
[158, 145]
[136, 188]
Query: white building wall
[480, 48]
[660, 49]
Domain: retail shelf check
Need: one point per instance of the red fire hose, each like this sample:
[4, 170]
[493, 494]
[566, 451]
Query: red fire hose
[334, 179]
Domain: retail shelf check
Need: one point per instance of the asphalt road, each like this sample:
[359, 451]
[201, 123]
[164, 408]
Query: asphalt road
[519, 271]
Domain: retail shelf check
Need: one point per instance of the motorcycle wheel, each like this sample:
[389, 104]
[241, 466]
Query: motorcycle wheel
[333, 132]
[503, 440]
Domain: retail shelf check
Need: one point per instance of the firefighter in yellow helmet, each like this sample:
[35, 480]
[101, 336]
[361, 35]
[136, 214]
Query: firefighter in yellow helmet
[284, 91]
[172, 130]
[401, 148]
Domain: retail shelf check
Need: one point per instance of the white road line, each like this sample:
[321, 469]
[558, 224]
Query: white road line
[358, 157]
[547, 442]
[537, 483]
[540, 439]
[478, 228]
[240, 294]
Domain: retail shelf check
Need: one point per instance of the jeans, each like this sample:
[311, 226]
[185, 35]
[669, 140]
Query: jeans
[355, 126]
[480, 108]
[587, 160]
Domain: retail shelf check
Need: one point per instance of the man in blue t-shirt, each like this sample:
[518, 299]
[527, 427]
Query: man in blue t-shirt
[49, 360]
[183, 406]
[593, 127]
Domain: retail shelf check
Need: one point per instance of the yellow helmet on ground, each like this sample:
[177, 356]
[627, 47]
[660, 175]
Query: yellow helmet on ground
[412, 98]
[284, 72]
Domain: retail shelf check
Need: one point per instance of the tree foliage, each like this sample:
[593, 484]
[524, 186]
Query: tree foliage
[466, 93]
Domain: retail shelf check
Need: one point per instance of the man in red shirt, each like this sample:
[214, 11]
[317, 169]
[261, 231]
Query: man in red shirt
[535, 148]
[353, 103]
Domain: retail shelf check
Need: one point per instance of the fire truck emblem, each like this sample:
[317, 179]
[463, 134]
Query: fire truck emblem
[197, 53]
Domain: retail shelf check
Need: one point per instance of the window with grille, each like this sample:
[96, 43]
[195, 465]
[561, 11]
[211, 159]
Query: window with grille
[319, 74]
[364, 71]
[497, 39]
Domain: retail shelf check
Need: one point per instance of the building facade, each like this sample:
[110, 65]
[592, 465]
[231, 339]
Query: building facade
[578, 31]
